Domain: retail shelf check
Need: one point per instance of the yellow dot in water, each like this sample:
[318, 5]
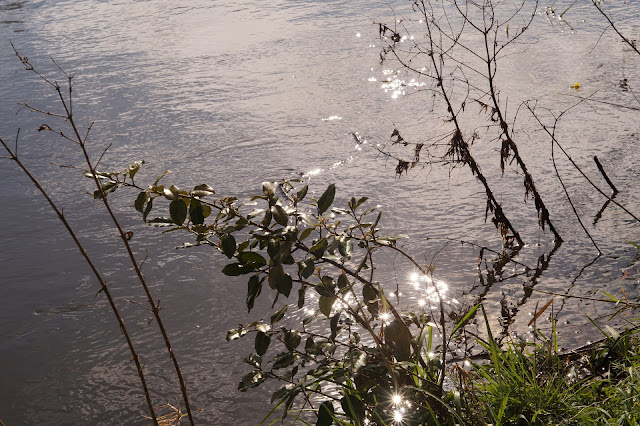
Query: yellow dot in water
[576, 86]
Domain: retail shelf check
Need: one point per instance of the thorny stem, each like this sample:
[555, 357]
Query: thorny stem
[103, 284]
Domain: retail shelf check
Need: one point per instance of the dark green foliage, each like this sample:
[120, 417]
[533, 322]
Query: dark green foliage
[289, 248]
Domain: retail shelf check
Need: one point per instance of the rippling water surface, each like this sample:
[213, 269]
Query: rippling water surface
[234, 93]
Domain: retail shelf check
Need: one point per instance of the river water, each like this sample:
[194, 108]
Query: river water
[234, 93]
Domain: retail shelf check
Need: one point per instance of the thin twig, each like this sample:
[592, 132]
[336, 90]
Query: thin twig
[103, 284]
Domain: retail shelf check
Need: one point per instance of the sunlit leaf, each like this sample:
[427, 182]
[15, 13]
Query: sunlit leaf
[326, 199]
[279, 315]
[292, 339]
[147, 210]
[168, 194]
[106, 188]
[202, 190]
[161, 176]
[141, 200]
[305, 233]
[302, 193]
[133, 168]
[326, 303]
[160, 221]
[326, 287]
[251, 380]
[318, 248]
[464, 320]
[280, 215]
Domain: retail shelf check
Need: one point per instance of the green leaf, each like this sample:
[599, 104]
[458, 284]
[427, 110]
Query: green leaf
[337, 210]
[147, 210]
[280, 280]
[253, 290]
[228, 245]
[262, 343]
[325, 414]
[280, 252]
[202, 190]
[142, 199]
[280, 393]
[169, 195]
[345, 247]
[326, 287]
[464, 320]
[236, 333]
[161, 221]
[306, 268]
[266, 221]
[305, 234]
[390, 241]
[292, 339]
[279, 315]
[268, 188]
[251, 259]
[280, 215]
[178, 211]
[343, 281]
[302, 193]
[106, 188]
[301, 294]
[311, 348]
[206, 210]
[359, 202]
[161, 176]
[326, 199]
[352, 407]
[370, 297]
[195, 212]
[251, 380]
[235, 269]
[319, 248]
[283, 360]
[133, 168]
[398, 337]
[326, 303]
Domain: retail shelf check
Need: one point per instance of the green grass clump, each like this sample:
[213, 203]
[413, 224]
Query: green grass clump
[533, 384]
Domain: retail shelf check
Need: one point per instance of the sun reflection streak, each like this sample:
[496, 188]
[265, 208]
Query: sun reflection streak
[396, 86]
[313, 172]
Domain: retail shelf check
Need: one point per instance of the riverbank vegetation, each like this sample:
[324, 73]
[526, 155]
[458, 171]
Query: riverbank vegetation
[341, 345]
